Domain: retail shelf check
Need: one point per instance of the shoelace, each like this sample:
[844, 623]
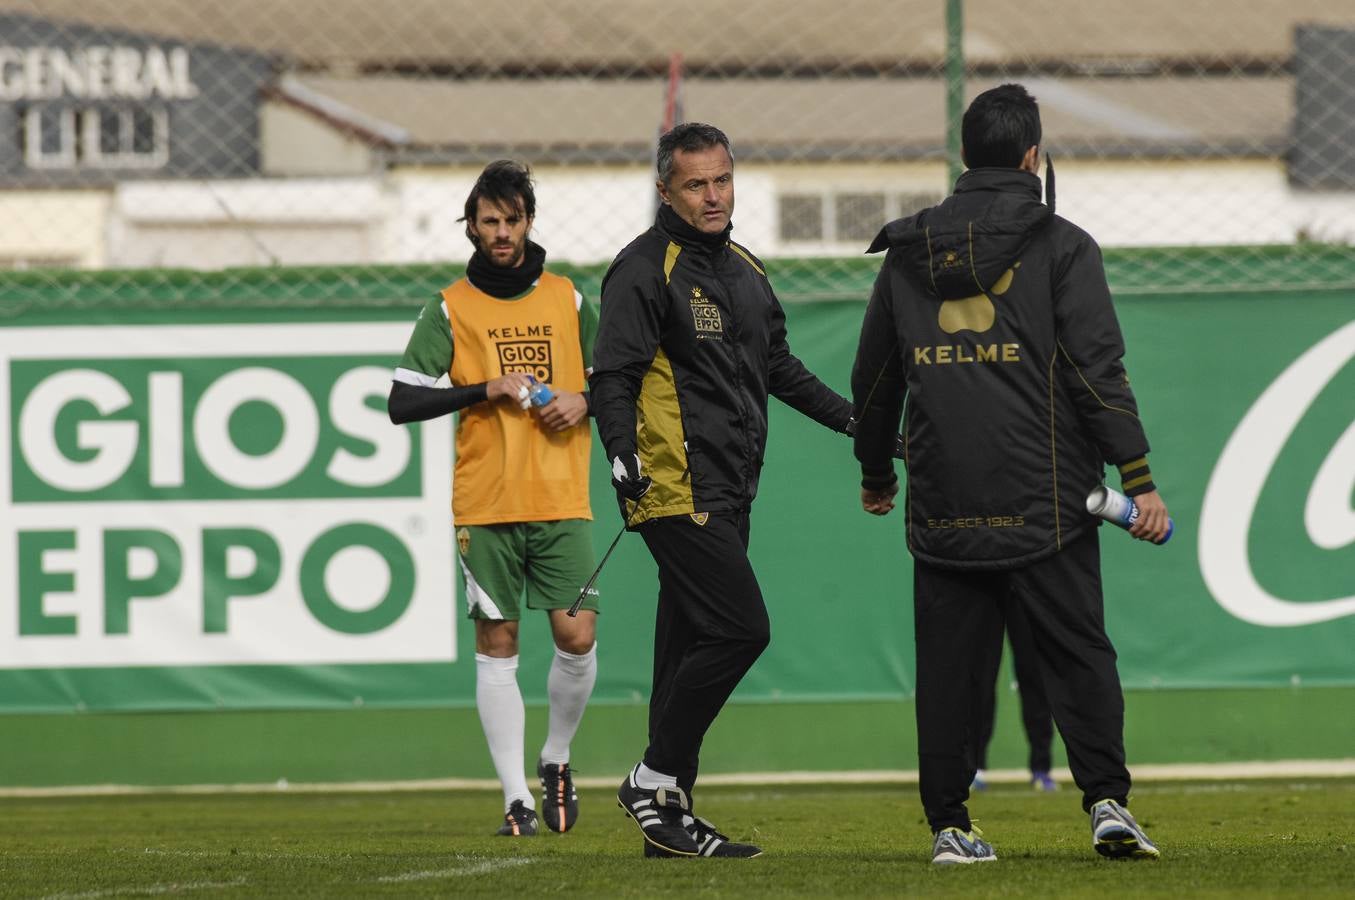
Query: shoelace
[704, 830]
[564, 774]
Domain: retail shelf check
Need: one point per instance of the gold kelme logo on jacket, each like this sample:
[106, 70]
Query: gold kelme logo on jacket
[975, 314]
[463, 540]
[706, 317]
[943, 354]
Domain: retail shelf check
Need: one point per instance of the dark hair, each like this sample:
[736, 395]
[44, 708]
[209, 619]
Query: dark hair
[505, 182]
[999, 127]
[688, 137]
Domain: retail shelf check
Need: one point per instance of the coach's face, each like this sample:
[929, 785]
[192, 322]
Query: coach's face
[701, 189]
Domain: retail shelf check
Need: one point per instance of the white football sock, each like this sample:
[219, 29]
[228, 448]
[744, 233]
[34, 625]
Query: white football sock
[645, 777]
[569, 686]
[503, 718]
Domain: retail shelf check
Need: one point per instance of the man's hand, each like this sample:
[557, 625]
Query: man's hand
[513, 386]
[566, 410]
[1151, 524]
[626, 478]
[879, 502]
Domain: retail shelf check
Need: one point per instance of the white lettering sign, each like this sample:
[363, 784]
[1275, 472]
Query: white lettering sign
[95, 72]
[1243, 467]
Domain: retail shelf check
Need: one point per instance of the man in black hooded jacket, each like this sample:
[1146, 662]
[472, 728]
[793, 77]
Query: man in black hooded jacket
[992, 318]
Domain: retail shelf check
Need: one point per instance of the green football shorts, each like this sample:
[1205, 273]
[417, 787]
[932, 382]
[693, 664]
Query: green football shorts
[549, 561]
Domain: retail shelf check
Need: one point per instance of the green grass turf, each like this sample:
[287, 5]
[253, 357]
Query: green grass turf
[1221, 839]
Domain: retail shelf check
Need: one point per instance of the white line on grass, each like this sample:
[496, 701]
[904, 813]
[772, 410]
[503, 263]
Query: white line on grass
[150, 890]
[1284, 768]
[1231, 787]
[238, 854]
[476, 867]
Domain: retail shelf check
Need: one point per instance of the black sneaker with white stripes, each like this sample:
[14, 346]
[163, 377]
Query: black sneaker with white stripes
[559, 802]
[519, 821]
[709, 842]
[659, 814]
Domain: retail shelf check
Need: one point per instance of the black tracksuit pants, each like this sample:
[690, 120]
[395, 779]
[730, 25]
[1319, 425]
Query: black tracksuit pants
[954, 616]
[710, 627]
[1035, 715]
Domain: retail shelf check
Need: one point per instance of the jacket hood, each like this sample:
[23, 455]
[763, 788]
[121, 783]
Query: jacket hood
[965, 244]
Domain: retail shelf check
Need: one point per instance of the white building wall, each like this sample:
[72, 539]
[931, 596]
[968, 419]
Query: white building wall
[585, 215]
[65, 229]
[582, 215]
[293, 142]
[211, 225]
[1122, 204]
[1158, 203]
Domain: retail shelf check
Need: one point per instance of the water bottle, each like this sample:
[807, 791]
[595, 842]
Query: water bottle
[1117, 509]
[539, 393]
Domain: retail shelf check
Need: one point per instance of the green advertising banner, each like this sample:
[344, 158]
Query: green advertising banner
[192, 498]
[208, 510]
[1249, 403]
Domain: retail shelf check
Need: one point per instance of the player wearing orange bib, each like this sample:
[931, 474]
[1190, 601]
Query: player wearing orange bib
[520, 486]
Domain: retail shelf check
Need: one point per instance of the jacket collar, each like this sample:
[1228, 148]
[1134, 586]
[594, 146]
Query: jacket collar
[670, 223]
[962, 247]
[1012, 181]
[1023, 187]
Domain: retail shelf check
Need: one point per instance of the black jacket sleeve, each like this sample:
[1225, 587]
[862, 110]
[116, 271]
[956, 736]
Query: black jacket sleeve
[629, 325]
[1090, 354]
[790, 382]
[878, 387]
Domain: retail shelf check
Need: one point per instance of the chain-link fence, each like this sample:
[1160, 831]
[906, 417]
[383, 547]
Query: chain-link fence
[161, 152]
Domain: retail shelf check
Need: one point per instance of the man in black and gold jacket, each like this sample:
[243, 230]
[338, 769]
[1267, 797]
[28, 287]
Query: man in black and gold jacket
[991, 317]
[691, 343]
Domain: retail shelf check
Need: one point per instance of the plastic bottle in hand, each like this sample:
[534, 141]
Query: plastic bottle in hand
[539, 393]
[1117, 509]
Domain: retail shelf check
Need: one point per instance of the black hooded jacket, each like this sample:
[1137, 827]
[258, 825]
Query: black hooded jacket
[992, 317]
[691, 341]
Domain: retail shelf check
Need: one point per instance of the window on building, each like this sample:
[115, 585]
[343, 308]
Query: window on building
[801, 217]
[125, 138]
[95, 138]
[109, 122]
[859, 216]
[49, 138]
[149, 132]
[849, 217]
[908, 204]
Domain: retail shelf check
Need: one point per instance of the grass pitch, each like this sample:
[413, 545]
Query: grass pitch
[1234, 839]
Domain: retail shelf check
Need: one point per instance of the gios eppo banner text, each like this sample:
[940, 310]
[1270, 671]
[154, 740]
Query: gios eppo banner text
[217, 495]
